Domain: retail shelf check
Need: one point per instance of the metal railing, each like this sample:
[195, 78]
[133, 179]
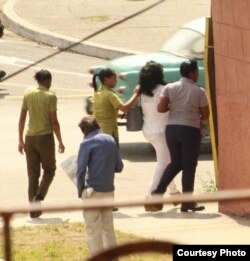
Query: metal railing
[165, 247]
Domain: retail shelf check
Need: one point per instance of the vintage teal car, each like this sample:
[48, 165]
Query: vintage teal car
[187, 42]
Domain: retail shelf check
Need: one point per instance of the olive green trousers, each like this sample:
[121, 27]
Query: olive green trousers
[40, 153]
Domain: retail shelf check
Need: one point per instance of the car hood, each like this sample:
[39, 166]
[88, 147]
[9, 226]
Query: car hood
[135, 62]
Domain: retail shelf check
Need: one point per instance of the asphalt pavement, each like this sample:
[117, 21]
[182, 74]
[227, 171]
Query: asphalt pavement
[66, 22]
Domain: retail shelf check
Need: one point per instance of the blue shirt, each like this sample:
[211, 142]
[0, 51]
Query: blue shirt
[98, 160]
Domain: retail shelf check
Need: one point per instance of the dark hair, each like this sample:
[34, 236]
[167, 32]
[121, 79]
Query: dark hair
[150, 76]
[88, 124]
[188, 66]
[42, 76]
[104, 73]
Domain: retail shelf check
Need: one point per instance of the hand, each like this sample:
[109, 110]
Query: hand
[121, 115]
[61, 148]
[21, 148]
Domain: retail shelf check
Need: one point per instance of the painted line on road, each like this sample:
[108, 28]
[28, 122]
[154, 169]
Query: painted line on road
[32, 86]
[15, 61]
[16, 97]
[58, 97]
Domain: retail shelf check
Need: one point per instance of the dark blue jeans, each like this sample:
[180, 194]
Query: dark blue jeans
[184, 147]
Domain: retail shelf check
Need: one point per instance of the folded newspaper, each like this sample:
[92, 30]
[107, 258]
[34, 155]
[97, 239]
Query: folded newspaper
[69, 167]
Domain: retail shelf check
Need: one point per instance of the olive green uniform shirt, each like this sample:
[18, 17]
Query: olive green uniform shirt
[39, 102]
[106, 104]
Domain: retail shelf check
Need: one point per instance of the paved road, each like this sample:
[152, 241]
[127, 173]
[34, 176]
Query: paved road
[70, 71]
[69, 21]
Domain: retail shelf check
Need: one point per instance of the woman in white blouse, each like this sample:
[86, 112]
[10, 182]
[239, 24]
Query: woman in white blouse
[151, 82]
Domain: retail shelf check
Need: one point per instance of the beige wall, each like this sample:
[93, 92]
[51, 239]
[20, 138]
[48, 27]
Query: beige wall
[231, 25]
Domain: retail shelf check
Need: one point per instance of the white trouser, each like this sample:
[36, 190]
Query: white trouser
[100, 232]
[158, 141]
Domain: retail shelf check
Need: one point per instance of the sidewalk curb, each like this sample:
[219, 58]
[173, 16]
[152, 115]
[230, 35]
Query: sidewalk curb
[20, 26]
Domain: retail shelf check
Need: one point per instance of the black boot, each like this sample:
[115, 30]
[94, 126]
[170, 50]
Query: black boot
[38, 213]
[185, 207]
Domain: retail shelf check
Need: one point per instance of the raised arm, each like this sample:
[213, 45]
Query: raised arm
[126, 106]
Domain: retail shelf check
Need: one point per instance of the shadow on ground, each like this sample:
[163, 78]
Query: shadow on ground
[243, 221]
[205, 156]
[174, 213]
[48, 221]
[137, 152]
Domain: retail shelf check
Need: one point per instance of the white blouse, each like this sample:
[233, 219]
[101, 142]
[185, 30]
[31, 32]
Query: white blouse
[154, 121]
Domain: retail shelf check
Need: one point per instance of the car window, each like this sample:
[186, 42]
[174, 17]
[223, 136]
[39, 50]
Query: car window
[186, 43]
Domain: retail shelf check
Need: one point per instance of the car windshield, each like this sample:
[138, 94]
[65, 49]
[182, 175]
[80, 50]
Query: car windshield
[186, 43]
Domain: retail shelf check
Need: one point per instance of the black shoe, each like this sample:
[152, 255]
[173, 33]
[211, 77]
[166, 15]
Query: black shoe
[35, 214]
[115, 209]
[38, 213]
[2, 74]
[193, 207]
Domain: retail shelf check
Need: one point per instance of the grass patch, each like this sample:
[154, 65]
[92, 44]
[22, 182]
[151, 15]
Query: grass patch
[63, 242]
[208, 183]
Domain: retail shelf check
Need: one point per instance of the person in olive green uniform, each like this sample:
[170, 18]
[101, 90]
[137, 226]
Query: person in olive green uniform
[106, 103]
[39, 145]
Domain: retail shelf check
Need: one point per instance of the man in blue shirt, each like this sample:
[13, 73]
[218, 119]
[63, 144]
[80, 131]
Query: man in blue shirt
[98, 160]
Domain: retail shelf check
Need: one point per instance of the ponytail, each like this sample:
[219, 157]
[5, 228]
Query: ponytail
[104, 73]
[94, 81]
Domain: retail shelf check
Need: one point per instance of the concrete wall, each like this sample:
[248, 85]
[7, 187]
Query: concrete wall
[231, 25]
